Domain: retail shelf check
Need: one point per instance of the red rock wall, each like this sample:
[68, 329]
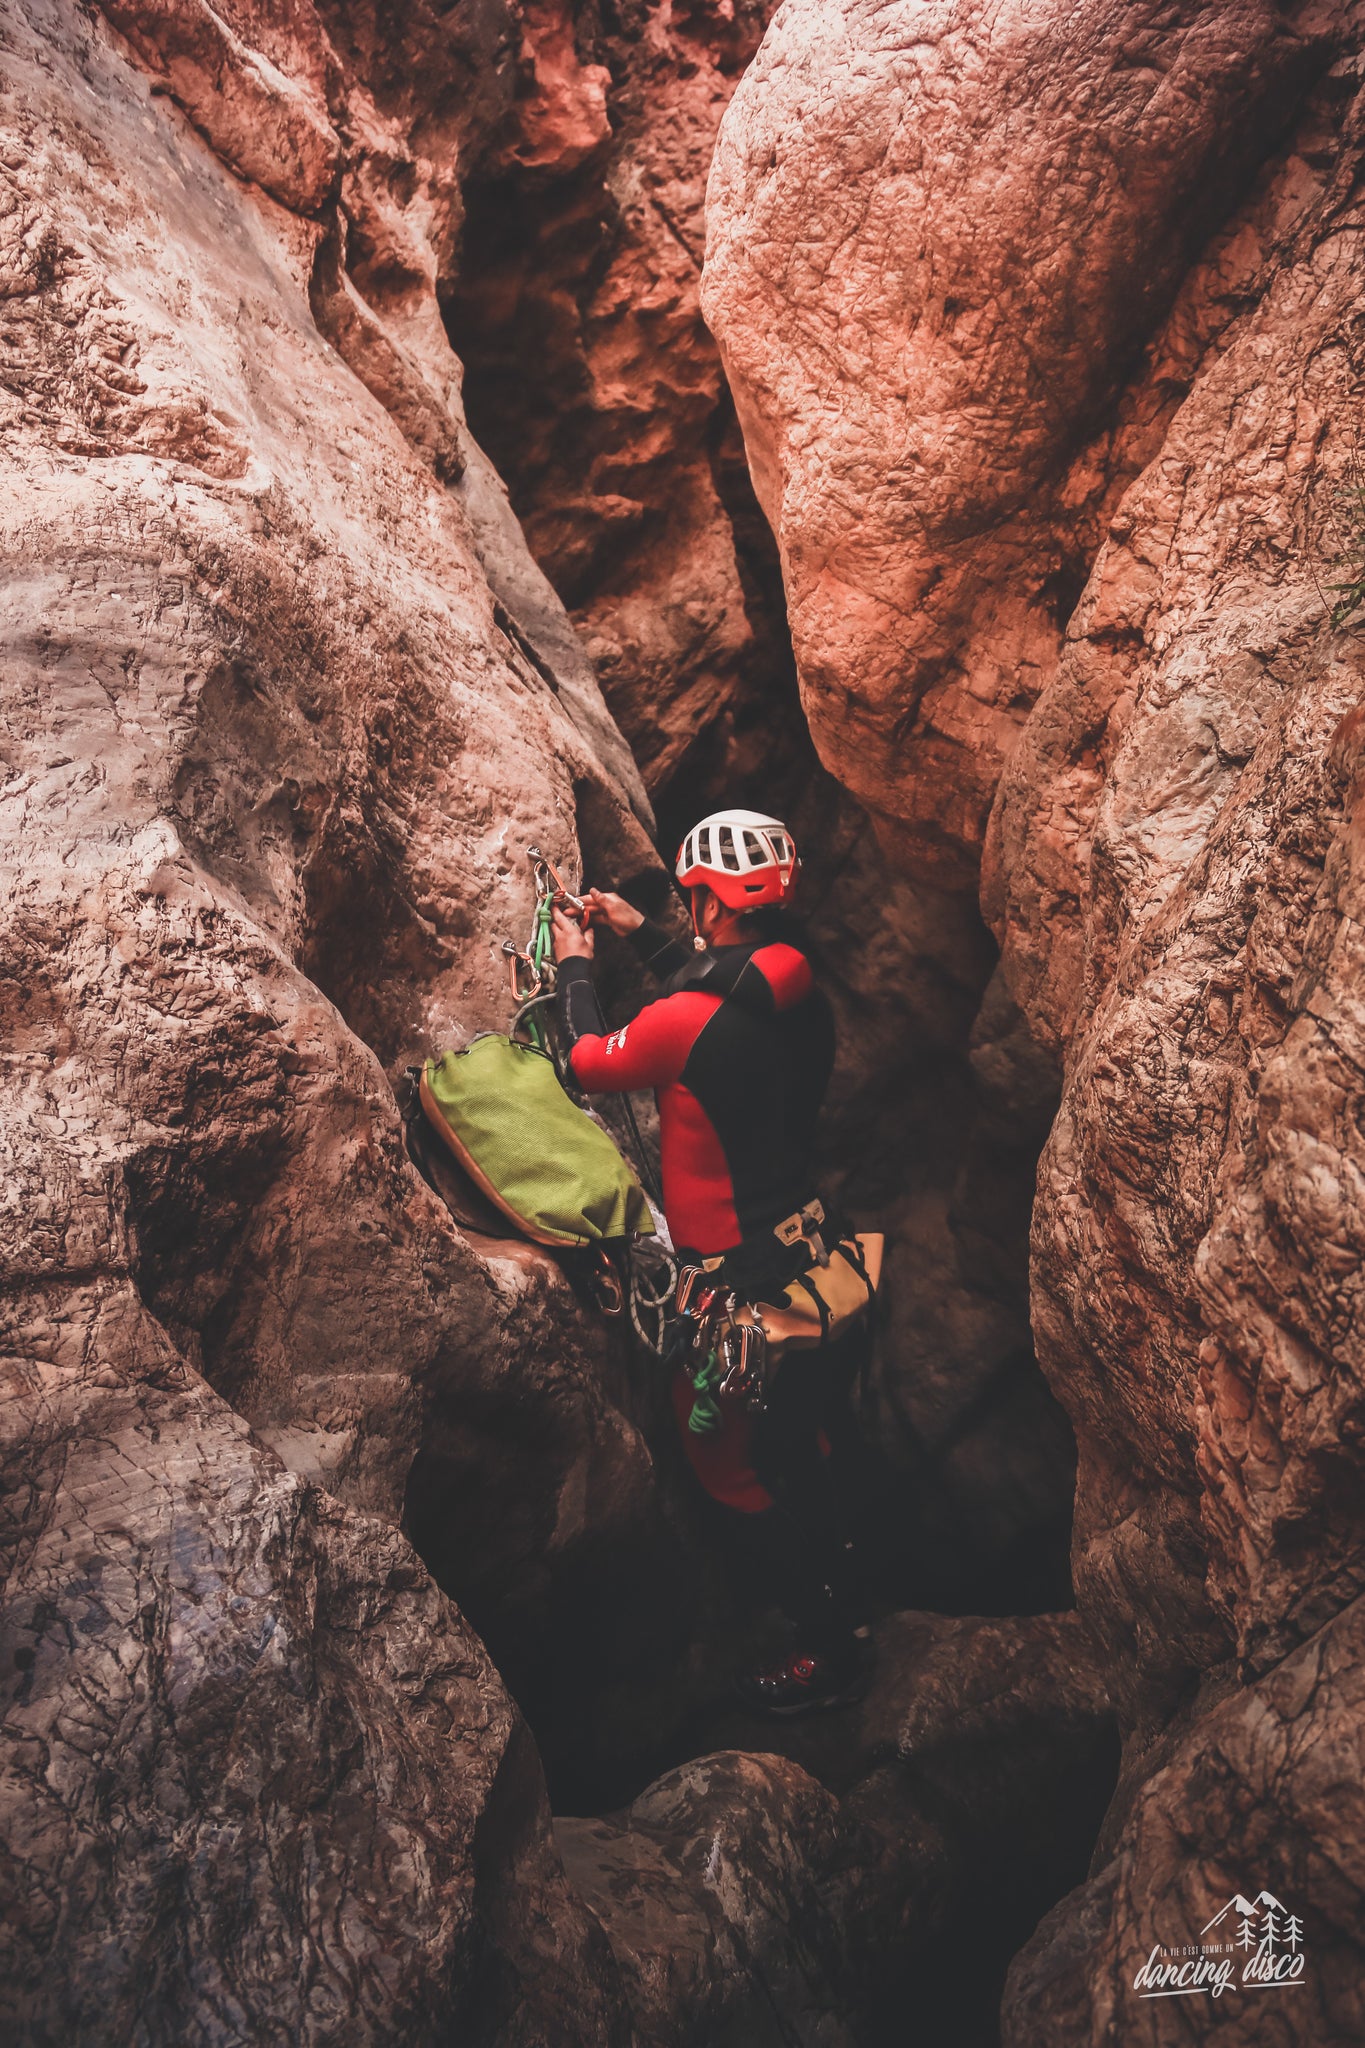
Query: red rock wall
[1045, 345]
[285, 698]
[1047, 391]
[593, 381]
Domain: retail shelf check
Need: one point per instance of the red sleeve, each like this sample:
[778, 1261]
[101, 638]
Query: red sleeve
[787, 973]
[650, 1051]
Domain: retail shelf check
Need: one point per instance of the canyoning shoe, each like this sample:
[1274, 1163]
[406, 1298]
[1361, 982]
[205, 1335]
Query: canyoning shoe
[804, 1683]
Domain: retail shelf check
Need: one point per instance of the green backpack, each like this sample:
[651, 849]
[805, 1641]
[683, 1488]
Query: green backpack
[538, 1158]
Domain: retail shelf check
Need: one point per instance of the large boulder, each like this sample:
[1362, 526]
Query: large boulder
[882, 1859]
[938, 238]
[712, 1888]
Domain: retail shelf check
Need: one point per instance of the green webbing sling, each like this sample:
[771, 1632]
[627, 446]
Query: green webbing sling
[542, 945]
[706, 1414]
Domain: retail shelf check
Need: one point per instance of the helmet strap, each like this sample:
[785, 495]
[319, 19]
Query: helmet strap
[729, 928]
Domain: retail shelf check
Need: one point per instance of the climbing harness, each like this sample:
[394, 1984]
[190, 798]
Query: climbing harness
[738, 1314]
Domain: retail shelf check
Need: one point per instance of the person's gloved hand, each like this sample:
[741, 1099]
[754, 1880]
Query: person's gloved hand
[604, 907]
[571, 941]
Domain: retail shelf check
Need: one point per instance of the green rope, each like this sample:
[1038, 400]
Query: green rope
[706, 1414]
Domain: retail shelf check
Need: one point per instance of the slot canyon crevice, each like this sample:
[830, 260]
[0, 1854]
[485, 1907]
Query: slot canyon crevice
[430, 430]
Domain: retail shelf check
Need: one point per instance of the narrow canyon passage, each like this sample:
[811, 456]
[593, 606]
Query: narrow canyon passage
[591, 380]
[428, 431]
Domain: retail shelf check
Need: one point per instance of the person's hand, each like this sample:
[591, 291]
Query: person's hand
[571, 941]
[603, 907]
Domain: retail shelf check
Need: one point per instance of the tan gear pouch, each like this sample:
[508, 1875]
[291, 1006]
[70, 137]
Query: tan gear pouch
[794, 1322]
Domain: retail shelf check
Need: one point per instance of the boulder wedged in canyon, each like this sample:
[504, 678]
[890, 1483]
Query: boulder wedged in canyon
[1171, 859]
[877, 1861]
[712, 1888]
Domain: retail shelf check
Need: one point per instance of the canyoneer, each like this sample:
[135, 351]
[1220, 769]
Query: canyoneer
[773, 1295]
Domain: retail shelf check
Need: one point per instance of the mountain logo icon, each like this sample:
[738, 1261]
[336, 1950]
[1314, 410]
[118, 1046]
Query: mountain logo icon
[1236, 1904]
[1249, 1945]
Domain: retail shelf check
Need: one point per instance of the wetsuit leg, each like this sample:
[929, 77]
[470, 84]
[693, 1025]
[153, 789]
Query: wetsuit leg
[804, 1537]
[787, 1567]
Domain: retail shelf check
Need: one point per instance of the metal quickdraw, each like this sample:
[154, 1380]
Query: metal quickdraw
[532, 969]
[722, 1355]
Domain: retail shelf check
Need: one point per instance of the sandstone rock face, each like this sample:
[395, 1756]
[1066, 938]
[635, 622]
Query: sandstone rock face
[1170, 862]
[597, 389]
[285, 698]
[261, 1782]
[939, 234]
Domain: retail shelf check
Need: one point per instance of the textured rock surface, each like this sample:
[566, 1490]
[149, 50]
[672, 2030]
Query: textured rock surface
[1171, 860]
[273, 747]
[966, 1787]
[1265, 1794]
[260, 1781]
[599, 394]
[713, 1888]
[285, 696]
[923, 347]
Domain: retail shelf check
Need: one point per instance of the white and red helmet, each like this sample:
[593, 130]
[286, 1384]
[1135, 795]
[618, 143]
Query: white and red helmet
[749, 860]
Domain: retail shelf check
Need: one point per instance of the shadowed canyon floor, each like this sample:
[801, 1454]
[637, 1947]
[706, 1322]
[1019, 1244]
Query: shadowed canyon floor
[417, 427]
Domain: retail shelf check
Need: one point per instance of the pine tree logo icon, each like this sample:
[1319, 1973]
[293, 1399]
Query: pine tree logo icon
[1249, 1945]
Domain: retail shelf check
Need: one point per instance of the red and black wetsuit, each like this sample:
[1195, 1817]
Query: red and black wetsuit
[739, 1056]
[739, 1053]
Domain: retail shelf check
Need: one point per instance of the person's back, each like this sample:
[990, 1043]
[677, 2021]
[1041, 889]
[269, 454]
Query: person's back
[739, 1053]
